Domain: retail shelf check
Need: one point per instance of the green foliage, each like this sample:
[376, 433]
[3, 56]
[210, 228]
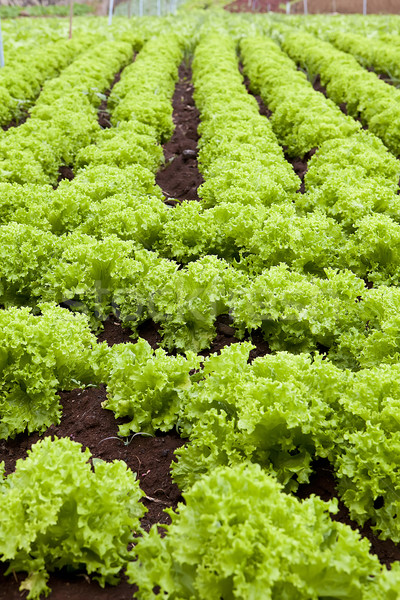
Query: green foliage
[275, 412]
[57, 10]
[302, 119]
[22, 270]
[22, 77]
[132, 142]
[88, 272]
[143, 95]
[188, 303]
[40, 355]
[133, 218]
[364, 94]
[297, 311]
[103, 181]
[386, 585]
[376, 339]
[63, 119]
[26, 204]
[57, 510]
[147, 386]
[375, 251]
[350, 179]
[239, 536]
[366, 462]
[239, 156]
[381, 54]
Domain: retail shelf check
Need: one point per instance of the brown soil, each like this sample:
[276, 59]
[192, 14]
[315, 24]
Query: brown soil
[16, 123]
[115, 333]
[264, 110]
[300, 167]
[65, 172]
[226, 336]
[84, 421]
[323, 484]
[318, 87]
[180, 178]
[104, 115]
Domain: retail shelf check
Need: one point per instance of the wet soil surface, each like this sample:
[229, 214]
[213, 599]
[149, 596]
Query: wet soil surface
[180, 177]
[86, 422]
[323, 484]
[226, 336]
[17, 122]
[65, 172]
[300, 167]
[115, 333]
[318, 87]
[104, 115]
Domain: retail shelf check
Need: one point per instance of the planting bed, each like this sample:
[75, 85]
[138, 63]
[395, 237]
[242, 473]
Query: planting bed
[299, 266]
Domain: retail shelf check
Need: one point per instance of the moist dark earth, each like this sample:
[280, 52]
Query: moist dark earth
[180, 177]
[86, 422]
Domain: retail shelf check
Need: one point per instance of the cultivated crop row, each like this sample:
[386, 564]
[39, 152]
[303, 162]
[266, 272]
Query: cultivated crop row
[316, 273]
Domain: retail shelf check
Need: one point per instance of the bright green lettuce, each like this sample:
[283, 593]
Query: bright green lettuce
[40, 355]
[147, 386]
[57, 510]
[302, 118]
[238, 536]
[275, 412]
[297, 311]
[239, 156]
[364, 94]
[64, 118]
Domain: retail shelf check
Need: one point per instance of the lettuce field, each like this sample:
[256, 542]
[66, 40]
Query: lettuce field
[200, 308]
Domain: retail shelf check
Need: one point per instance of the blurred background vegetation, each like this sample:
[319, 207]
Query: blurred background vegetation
[40, 8]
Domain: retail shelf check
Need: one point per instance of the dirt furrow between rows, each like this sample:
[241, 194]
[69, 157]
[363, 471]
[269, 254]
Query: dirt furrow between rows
[180, 177]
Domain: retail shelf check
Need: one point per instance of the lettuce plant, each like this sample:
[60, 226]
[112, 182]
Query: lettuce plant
[275, 412]
[59, 510]
[40, 355]
[147, 386]
[239, 536]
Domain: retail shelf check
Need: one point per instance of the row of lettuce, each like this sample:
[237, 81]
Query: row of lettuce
[254, 430]
[105, 243]
[231, 539]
